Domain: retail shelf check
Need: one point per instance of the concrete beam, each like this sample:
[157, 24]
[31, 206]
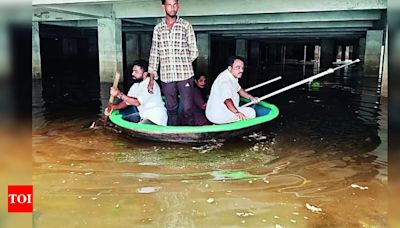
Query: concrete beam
[334, 16]
[78, 24]
[110, 48]
[152, 8]
[95, 11]
[45, 15]
[36, 58]
[262, 31]
[295, 25]
[63, 2]
[287, 17]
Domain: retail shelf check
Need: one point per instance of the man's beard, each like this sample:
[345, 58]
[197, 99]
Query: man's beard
[135, 80]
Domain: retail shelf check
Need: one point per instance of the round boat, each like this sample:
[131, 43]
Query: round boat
[194, 134]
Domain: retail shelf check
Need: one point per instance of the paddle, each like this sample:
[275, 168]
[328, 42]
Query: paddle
[111, 100]
[329, 71]
[263, 84]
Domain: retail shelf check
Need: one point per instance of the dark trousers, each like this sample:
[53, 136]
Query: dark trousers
[185, 90]
[131, 114]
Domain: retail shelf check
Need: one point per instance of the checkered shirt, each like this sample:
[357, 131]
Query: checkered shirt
[174, 51]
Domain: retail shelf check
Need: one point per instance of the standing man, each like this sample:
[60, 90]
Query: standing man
[223, 102]
[174, 49]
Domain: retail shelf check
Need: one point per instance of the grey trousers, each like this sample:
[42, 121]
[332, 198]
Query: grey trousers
[185, 90]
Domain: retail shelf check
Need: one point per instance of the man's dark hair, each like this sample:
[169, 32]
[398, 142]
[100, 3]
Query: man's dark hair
[163, 2]
[232, 59]
[142, 64]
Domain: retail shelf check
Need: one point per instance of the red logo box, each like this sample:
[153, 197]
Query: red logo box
[20, 198]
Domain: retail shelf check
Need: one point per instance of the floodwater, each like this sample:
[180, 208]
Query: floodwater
[321, 163]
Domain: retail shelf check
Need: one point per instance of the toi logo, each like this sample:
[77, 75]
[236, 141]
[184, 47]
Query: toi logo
[20, 198]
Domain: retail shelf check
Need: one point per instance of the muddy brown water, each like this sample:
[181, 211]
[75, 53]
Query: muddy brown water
[321, 163]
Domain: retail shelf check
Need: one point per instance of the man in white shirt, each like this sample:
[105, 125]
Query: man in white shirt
[223, 102]
[150, 105]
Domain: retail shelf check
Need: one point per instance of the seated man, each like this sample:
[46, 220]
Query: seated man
[151, 108]
[223, 102]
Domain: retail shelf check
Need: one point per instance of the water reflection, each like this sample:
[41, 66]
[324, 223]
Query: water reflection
[320, 163]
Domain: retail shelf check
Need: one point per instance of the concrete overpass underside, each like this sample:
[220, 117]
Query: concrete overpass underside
[124, 28]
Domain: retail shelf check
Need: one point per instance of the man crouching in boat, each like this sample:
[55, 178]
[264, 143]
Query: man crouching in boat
[150, 106]
[223, 102]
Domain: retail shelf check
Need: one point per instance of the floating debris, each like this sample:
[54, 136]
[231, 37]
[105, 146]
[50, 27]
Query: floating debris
[243, 221]
[206, 185]
[264, 220]
[94, 198]
[88, 173]
[64, 181]
[358, 186]
[147, 190]
[346, 158]
[244, 214]
[232, 175]
[295, 213]
[93, 125]
[278, 226]
[215, 145]
[250, 181]
[276, 217]
[210, 200]
[305, 217]
[255, 136]
[293, 221]
[313, 208]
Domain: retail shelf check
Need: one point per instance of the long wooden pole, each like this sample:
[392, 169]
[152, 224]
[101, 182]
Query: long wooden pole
[329, 71]
[263, 84]
[111, 100]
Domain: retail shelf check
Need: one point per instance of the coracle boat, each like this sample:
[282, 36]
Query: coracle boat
[194, 134]
[210, 133]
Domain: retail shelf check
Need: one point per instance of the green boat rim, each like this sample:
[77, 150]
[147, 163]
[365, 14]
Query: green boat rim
[116, 118]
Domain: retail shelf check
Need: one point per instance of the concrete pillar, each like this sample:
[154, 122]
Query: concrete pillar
[253, 63]
[132, 48]
[203, 44]
[145, 45]
[327, 53]
[242, 48]
[36, 59]
[373, 51]
[361, 49]
[384, 87]
[110, 48]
